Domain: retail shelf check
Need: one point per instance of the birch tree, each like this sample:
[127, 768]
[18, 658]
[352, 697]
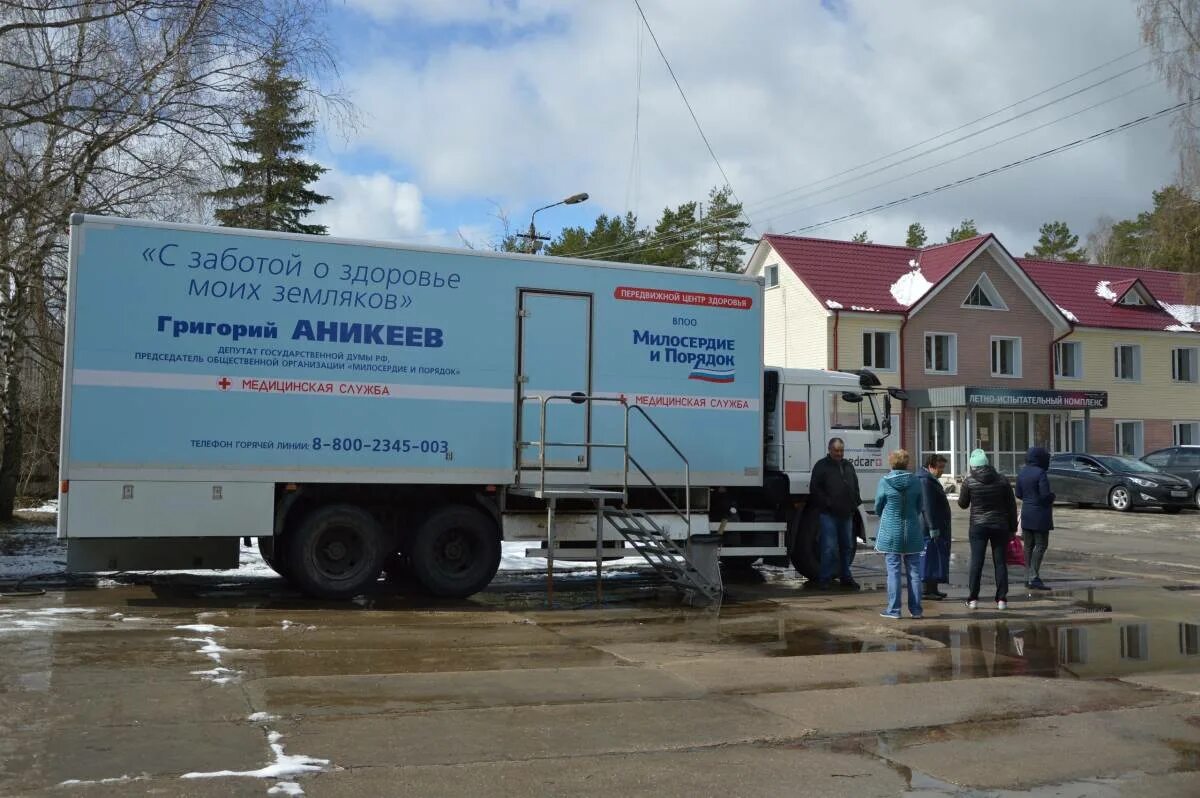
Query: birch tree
[121, 107]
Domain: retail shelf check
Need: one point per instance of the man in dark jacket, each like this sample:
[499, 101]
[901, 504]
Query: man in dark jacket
[993, 523]
[1037, 513]
[834, 492]
[935, 521]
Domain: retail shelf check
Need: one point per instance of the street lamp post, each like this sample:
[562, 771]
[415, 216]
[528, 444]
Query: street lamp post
[532, 237]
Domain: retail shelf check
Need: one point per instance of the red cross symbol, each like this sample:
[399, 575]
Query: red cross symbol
[224, 383]
[623, 399]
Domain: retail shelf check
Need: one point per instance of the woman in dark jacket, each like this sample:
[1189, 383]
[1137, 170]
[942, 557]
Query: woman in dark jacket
[1037, 513]
[993, 523]
[935, 524]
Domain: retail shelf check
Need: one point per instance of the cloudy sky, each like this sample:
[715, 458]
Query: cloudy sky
[474, 107]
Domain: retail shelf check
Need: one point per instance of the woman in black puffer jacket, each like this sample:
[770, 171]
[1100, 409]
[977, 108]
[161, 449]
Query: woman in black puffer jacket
[993, 523]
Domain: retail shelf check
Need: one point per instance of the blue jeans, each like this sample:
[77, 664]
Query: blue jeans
[837, 543]
[896, 565]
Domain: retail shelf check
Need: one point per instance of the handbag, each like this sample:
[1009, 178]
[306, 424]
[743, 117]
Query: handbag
[1015, 553]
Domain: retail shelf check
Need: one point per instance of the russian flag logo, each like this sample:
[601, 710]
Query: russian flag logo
[711, 375]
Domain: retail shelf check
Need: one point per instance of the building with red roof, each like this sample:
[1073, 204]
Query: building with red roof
[994, 352]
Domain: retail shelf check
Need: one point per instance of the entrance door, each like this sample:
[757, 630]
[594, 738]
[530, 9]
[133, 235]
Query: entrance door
[555, 360]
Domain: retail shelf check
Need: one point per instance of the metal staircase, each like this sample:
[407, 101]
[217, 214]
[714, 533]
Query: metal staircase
[654, 544]
[646, 536]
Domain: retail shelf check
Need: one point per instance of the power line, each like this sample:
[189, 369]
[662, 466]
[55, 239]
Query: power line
[631, 185]
[1012, 165]
[690, 111]
[641, 247]
[770, 202]
[977, 150]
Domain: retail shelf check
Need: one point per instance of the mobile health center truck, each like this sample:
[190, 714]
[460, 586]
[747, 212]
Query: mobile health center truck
[359, 405]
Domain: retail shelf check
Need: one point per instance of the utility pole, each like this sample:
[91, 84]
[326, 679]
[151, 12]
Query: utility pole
[532, 237]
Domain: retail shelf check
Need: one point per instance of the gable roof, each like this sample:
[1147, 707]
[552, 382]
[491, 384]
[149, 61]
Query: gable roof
[837, 272]
[1091, 295]
[845, 275]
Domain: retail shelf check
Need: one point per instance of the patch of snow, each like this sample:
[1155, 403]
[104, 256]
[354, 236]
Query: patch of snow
[286, 788]
[61, 611]
[861, 309]
[911, 286]
[284, 765]
[1178, 328]
[512, 558]
[293, 625]
[1186, 315]
[832, 305]
[31, 549]
[117, 616]
[118, 780]
[50, 506]
[262, 717]
[1104, 290]
[201, 627]
[211, 648]
[1068, 314]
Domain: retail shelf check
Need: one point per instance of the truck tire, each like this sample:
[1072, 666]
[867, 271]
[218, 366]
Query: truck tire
[455, 552]
[336, 552]
[272, 551]
[804, 550]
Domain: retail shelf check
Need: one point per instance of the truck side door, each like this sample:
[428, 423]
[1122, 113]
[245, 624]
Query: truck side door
[796, 432]
[555, 360]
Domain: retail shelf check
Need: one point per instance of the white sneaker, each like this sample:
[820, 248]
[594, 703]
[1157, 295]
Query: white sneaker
[972, 605]
[1001, 605]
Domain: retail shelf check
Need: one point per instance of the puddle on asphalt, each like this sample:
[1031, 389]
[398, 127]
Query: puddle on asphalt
[919, 784]
[1092, 648]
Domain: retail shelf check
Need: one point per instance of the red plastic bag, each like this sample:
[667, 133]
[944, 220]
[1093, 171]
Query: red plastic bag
[1015, 553]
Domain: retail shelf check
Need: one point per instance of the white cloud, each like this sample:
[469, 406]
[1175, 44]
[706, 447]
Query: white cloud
[787, 94]
[372, 206]
[504, 12]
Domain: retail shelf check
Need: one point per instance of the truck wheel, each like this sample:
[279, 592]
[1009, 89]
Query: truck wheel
[336, 552]
[455, 552]
[805, 548]
[271, 549]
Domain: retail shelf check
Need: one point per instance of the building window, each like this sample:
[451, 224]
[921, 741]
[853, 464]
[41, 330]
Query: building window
[1135, 641]
[1129, 438]
[1127, 362]
[1068, 360]
[984, 295]
[941, 353]
[936, 435]
[772, 275]
[1072, 646]
[1006, 357]
[1133, 298]
[1189, 639]
[1187, 433]
[1078, 435]
[1183, 364]
[879, 350]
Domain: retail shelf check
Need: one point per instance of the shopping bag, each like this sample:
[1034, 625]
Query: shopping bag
[1015, 553]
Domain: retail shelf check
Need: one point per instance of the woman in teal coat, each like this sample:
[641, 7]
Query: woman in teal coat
[898, 503]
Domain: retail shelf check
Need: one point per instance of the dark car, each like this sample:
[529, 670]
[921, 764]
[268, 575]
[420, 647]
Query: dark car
[1122, 483]
[1182, 461]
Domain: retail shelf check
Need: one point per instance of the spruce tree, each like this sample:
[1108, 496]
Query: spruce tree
[1057, 242]
[916, 236]
[272, 190]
